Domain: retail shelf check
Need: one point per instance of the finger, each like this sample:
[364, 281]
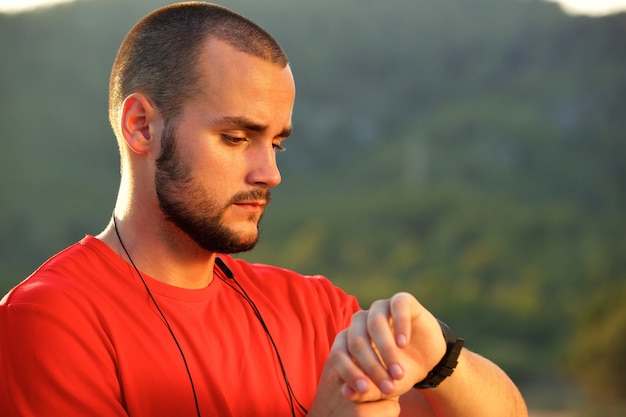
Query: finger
[381, 332]
[364, 350]
[372, 345]
[404, 308]
[356, 382]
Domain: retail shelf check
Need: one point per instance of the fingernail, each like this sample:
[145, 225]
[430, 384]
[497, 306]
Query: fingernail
[401, 341]
[387, 387]
[362, 386]
[396, 371]
[347, 391]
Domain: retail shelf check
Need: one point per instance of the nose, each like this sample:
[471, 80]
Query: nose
[264, 169]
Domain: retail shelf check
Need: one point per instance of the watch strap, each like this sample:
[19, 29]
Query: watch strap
[446, 365]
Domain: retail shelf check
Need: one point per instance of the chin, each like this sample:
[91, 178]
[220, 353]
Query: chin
[244, 239]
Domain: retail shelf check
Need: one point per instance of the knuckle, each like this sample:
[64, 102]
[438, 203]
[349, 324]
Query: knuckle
[378, 303]
[358, 317]
[334, 356]
[377, 323]
[401, 298]
[340, 340]
[358, 343]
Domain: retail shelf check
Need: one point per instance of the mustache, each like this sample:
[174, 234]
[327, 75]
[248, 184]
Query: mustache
[256, 194]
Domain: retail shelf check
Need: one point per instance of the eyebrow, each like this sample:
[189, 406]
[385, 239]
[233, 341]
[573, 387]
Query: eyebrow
[248, 124]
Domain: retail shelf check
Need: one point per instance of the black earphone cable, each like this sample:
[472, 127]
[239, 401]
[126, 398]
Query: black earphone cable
[241, 291]
[180, 349]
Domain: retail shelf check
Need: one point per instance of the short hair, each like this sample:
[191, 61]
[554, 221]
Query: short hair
[159, 55]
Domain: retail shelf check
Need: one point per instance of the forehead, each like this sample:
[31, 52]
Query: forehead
[234, 81]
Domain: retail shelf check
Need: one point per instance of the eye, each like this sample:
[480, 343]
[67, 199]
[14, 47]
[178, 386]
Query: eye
[233, 140]
[278, 147]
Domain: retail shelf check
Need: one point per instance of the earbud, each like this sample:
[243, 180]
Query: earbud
[225, 269]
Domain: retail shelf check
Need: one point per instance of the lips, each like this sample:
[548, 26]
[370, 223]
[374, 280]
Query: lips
[252, 201]
[253, 206]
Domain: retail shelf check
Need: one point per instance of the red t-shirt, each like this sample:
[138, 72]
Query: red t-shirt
[81, 337]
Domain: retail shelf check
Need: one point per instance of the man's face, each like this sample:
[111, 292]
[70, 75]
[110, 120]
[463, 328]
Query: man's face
[218, 162]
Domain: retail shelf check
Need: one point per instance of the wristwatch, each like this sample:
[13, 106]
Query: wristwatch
[446, 365]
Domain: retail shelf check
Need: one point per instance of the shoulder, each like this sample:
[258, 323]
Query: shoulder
[282, 279]
[65, 274]
[70, 296]
[315, 293]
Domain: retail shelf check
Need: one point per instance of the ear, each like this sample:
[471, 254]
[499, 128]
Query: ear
[141, 121]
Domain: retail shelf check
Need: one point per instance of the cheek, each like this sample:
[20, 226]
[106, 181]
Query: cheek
[221, 174]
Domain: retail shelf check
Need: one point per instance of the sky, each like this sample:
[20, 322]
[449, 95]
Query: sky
[592, 7]
[588, 7]
[16, 6]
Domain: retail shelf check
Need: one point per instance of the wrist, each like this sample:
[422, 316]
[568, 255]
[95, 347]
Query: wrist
[445, 367]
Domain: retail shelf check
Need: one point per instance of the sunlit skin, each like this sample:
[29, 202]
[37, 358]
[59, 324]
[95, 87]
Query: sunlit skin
[227, 137]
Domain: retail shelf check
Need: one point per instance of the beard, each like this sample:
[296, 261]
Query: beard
[187, 205]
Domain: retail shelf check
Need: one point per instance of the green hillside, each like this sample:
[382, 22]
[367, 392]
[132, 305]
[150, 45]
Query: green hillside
[469, 151]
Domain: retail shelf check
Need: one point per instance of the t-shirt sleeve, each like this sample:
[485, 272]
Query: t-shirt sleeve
[53, 359]
[334, 304]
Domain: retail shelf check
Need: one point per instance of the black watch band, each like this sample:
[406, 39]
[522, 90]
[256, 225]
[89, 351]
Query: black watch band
[446, 365]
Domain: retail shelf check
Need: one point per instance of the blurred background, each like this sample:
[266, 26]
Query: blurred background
[468, 151]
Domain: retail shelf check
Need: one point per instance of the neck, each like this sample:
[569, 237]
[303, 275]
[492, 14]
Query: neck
[182, 264]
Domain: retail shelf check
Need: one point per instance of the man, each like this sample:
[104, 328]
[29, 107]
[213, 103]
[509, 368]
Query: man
[152, 317]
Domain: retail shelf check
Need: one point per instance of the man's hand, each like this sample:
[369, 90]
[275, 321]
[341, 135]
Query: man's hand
[330, 402]
[386, 349]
